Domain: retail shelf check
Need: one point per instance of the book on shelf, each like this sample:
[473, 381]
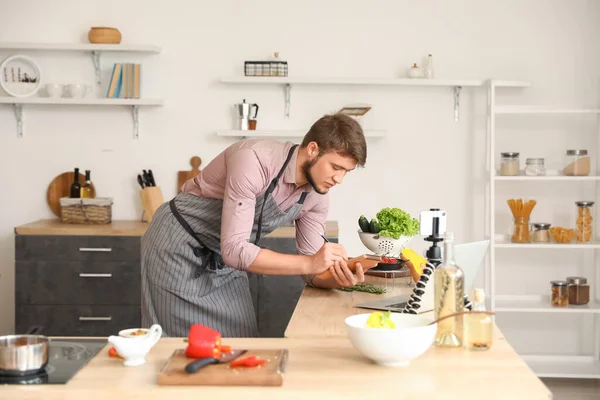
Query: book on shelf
[125, 81]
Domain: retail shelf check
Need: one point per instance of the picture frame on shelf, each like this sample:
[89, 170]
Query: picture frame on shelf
[20, 76]
[355, 111]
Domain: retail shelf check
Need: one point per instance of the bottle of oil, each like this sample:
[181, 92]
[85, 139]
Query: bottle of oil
[75, 191]
[479, 328]
[448, 298]
[87, 190]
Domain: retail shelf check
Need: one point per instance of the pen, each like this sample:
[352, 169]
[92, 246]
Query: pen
[324, 238]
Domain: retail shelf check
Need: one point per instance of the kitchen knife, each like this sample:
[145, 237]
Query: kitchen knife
[146, 179]
[140, 181]
[151, 177]
[194, 366]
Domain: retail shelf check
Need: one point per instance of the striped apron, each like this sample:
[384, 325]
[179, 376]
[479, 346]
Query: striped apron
[184, 279]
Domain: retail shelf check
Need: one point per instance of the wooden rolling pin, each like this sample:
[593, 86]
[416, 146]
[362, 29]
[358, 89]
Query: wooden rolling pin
[367, 261]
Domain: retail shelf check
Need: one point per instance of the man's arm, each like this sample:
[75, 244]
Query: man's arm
[309, 241]
[246, 180]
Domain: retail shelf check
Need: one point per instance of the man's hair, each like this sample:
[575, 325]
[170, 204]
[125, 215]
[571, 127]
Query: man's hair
[339, 133]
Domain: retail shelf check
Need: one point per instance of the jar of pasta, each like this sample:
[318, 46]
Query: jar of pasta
[584, 230]
[560, 294]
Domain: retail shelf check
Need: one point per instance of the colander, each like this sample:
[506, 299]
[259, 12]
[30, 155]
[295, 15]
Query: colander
[382, 245]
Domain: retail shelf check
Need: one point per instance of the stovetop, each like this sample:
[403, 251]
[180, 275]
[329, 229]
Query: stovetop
[65, 358]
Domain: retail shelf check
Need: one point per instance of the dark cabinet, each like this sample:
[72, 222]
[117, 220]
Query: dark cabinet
[77, 285]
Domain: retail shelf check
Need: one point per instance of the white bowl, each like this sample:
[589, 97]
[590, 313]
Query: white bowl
[392, 347]
[383, 245]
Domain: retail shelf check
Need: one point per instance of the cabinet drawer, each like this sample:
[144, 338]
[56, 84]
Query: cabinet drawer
[39, 282]
[78, 320]
[77, 248]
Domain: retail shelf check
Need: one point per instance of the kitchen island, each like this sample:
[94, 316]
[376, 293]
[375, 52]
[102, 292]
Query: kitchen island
[322, 364]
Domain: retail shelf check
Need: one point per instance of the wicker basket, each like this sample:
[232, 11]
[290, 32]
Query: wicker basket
[86, 211]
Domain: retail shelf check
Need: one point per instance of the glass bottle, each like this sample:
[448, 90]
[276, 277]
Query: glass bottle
[429, 67]
[75, 192]
[448, 298]
[521, 233]
[509, 164]
[479, 328]
[87, 190]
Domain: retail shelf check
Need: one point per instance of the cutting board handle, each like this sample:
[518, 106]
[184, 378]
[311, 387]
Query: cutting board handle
[195, 163]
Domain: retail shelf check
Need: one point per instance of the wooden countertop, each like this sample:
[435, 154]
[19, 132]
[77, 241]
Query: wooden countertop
[316, 369]
[129, 228]
[322, 364]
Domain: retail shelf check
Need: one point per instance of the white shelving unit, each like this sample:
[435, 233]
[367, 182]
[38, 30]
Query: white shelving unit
[287, 134]
[287, 82]
[544, 365]
[95, 50]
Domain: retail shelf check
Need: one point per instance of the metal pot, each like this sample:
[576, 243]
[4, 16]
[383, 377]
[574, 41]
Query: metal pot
[23, 354]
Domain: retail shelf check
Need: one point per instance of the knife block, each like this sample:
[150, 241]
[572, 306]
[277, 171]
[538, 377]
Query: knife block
[152, 198]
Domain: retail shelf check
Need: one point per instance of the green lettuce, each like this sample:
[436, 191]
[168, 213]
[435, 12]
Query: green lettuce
[395, 223]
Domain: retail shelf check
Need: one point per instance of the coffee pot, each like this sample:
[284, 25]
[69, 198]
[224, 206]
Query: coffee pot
[244, 114]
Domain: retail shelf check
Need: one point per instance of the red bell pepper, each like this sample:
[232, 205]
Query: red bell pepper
[250, 361]
[204, 342]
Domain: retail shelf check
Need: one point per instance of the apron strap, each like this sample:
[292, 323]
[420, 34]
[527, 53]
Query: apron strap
[270, 190]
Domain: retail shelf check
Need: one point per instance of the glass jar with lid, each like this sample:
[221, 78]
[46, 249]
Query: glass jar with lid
[509, 164]
[579, 290]
[584, 224]
[535, 167]
[541, 232]
[560, 294]
[577, 163]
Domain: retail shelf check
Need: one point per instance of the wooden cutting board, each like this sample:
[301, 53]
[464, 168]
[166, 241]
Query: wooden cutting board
[270, 374]
[60, 187]
[183, 176]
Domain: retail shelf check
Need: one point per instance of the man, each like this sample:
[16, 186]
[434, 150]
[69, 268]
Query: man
[198, 247]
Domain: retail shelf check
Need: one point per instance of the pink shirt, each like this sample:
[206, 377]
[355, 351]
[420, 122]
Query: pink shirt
[240, 175]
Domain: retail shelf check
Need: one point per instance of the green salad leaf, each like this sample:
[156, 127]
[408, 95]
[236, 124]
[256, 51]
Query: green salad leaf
[395, 223]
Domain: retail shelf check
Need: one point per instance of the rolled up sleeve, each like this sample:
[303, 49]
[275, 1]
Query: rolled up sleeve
[245, 180]
[308, 231]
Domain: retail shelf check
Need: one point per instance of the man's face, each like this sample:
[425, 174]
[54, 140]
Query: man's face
[328, 170]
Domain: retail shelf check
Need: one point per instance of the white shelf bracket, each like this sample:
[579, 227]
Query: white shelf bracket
[456, 102]
[96, 61]
[19, 115]
[135, 113]
[288, 90]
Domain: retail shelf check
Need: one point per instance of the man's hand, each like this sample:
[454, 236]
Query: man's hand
[327, 256]
[344, 277]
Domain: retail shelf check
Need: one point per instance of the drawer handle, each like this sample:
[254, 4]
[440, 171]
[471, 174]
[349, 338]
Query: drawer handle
[96, 249]
[95, 275]
[95, 318]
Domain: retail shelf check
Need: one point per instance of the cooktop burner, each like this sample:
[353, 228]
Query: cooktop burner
[65, 358]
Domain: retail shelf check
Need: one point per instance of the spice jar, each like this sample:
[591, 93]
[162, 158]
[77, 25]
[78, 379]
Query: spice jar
[579, 290]
[521, 232]
[577, 163]
[541, 232]
[535, 167]
[584, 230]
[509, 164]
[560, 294]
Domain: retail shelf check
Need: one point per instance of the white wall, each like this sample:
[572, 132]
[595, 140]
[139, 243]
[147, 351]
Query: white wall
[427, 159]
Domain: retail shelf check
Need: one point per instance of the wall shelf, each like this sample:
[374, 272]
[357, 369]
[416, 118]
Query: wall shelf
[287, 134]
[135, 104]
[548, 178]
[511, 109]
[548, 366]
[94, 49]
[287, 83]
[527, 304]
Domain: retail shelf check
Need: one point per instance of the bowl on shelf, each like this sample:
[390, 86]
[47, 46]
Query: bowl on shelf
[392, 347]
[381, 245]
[104, 35]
